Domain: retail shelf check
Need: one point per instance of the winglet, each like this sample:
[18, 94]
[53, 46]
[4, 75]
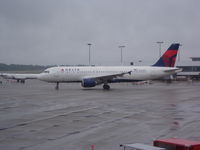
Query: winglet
[168, 59]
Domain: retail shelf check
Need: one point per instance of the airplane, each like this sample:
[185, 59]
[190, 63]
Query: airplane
[91, 76]
[19, 77]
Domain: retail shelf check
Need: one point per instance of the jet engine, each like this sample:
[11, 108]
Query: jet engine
[89, 83]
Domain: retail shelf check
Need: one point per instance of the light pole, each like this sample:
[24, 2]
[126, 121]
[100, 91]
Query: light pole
[89, 44]
[121, 47]
[159, 43]
[179, 52]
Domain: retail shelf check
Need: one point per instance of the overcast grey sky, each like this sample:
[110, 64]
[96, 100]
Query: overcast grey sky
[57, 31]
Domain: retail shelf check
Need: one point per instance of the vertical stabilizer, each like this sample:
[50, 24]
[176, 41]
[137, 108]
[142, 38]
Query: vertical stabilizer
[168, 59]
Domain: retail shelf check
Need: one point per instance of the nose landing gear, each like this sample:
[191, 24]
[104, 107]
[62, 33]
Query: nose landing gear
[57, 86]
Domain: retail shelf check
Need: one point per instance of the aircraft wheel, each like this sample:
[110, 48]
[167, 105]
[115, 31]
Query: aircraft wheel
[106, 87]
[22, 81]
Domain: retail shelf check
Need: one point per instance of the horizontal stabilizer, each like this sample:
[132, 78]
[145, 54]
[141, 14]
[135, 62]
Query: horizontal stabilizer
[176, 70]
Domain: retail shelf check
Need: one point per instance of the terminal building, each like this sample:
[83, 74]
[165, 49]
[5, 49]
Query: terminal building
[191, 69]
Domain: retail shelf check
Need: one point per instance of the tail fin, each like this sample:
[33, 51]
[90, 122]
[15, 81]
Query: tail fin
[168, 59]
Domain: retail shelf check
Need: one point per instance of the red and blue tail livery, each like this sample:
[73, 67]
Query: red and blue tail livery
[168, 59]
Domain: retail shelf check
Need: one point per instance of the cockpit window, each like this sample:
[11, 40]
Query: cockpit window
[46, 71]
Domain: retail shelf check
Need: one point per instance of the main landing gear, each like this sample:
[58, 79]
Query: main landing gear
[57, 86]
[20, 81]
[106, 87]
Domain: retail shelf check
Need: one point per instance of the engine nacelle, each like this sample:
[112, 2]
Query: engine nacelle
[88, 83]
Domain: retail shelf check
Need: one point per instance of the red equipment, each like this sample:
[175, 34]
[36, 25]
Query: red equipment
[177, 144]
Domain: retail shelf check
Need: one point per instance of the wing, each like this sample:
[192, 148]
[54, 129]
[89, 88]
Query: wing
[107, 77]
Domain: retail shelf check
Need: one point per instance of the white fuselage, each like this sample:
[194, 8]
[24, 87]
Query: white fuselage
[77, 74]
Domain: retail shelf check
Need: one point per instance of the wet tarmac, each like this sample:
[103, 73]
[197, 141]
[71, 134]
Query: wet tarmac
[34, 116]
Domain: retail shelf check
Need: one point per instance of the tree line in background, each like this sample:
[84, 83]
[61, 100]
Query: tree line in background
[16, 67]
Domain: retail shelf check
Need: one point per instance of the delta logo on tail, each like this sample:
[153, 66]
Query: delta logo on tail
[168, 59]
